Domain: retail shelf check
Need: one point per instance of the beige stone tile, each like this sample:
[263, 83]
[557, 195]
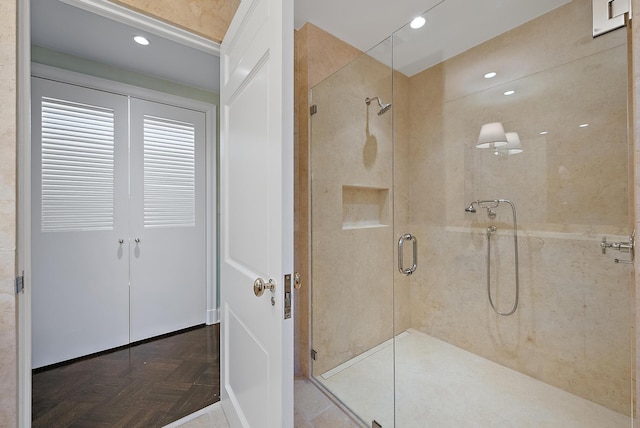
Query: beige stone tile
[7, 359]
[351, 148]
[299, 421]
[7, 271]
[218, 418]
[333, 418]
[7, 225]
[327, 54]
[203, 421]
[213, 416]
[438, 384]
[309, 401]
[8, 362]
[573, 326]
[209, 18]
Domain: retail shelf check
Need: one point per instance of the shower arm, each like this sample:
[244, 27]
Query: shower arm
[383, 107]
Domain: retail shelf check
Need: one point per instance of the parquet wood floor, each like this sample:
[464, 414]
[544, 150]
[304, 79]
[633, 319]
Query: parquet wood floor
[147, 385]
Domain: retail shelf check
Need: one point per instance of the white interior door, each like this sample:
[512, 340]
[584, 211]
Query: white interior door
[168, 253]
[80, 299]
[257, 214]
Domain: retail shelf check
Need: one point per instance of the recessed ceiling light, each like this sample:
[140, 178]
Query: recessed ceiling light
[141, 40]
[544, 132]
[511, 92]
[417, 22]
[584, 125]
[490, 75]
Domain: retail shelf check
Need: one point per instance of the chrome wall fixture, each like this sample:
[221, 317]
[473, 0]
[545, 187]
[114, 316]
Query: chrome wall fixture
[623, 247]
[414, 266]
[383, 107]
[609, 15]
[490, 206]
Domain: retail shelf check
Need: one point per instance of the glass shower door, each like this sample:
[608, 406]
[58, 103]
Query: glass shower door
[511, 170]
[351, 162]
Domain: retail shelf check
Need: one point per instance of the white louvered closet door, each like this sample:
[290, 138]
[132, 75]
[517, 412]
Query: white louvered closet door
[118, 220]
[80, 297]
[168, 253]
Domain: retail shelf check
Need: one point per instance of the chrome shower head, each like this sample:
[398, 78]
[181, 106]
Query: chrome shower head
[470, 208]
[383, 107]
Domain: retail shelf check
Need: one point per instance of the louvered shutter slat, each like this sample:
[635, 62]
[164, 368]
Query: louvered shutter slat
[77, 166]
[169, 173]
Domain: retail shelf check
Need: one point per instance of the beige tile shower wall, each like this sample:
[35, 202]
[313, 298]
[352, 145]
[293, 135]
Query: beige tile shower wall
[634, 96]
[402, 179]
[8, 366]
[352, 261]
[318, 54]
[573, 326]
[209, 18]
[301, 202]
[352, 283]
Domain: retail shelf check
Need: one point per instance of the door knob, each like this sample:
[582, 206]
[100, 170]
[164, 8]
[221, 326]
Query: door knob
[120, 241]
[137, 240]
[259, 286]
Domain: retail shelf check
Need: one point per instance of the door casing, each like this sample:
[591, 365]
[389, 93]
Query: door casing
[23, 250]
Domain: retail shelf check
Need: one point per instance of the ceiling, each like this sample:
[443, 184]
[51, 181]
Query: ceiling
[69, 29]
[452, 26]
[361, 23]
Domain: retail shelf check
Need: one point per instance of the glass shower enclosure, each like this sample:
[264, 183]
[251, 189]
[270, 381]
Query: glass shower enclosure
[471, 222]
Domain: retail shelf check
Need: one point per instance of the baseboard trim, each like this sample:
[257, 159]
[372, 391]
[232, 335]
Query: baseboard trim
[213, 316]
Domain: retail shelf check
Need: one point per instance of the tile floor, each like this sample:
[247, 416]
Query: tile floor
[440, 385]
[312, 409]
[461, 389]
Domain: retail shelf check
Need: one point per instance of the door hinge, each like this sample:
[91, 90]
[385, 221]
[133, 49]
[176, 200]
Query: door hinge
[618, 7]
[609, 15]
[313, 109]
[314, 354]
[20, 284]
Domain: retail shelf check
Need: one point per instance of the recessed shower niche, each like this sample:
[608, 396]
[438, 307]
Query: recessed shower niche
[364, 207]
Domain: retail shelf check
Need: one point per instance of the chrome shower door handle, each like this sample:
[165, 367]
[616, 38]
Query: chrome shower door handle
[414, 266]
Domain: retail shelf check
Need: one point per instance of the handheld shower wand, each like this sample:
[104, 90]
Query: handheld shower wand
[489, 205]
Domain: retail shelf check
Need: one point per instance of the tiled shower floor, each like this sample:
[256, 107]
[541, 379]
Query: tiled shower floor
[312, 409]
[440, 385]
